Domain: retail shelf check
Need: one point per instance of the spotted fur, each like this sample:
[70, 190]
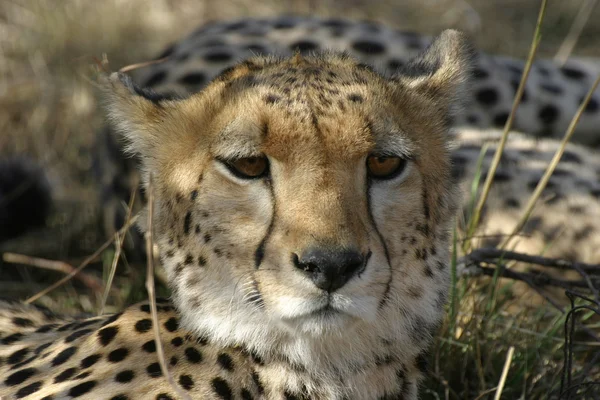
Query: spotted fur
[244, 320]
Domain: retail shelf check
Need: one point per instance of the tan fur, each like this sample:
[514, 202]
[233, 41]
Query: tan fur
[228, 243]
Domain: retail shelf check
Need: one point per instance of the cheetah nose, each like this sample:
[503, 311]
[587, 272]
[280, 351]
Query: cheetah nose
[330, 269]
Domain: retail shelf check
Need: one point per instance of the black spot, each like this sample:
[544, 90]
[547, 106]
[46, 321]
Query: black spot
[143, 325]
[479, 73]
[156, 79]
[572, 73]
[173, 361]
[428, 271]
[511, 202]
[290, 396]
[186, 382]
[193, 355]
[23, 322]
[217, 56]
[258, 383]
[548, 114]
[355, 98]
[283, 24]
[304, 46]
[118, 355]
[395, 64]
[225, 361]
[153, 370]
[112, 319]
[119, 397]
[29, 389]
[125, 376]
[201, 261]
[189, 259]
[66, 374]
[82, 388]
[77, 334]
[145, 307]
[472, 119]
[149, 346]
[177, 341]
[18, 356]
[550, 88]
[368, 47]
[163, 396]
[66, 327]
[500, 119]
[46, 328]
[193, 78]
[90, 360]
[569, 156]
[20, 376]
[187, 222]
[487, 96]
[271, 99]
[172, 325]
[246, 395]
[63, 356]
[207, 237]
[12, 338]
[422, 362]
[221, 388]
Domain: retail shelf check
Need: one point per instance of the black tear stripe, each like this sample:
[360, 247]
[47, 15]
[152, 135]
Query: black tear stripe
[260, 250]
[384, 299]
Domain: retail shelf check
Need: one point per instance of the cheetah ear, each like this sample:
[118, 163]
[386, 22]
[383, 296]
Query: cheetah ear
[442, 71]
[136, 113]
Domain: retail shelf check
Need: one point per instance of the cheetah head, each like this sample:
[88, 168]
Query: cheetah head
[306, 198]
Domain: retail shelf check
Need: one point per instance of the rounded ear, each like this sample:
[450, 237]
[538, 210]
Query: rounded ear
[134, 112]
[442, 71]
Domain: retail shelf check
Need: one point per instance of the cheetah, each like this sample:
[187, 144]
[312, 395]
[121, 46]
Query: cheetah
[302, 212]
[284, 192]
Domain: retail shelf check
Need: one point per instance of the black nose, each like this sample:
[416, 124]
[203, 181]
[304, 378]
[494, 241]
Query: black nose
[329, 269]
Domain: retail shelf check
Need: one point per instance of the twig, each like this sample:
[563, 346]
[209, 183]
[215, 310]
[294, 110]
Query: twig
[552, 166]
[486, 254]
[88, 280]
[500, 149]
[80, 267]
[131, 67]
[507, 363]
[151, 295]
[119, 239]
[566, 48]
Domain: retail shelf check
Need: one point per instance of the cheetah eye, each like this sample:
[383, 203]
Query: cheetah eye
[248, 167]
[385, 167]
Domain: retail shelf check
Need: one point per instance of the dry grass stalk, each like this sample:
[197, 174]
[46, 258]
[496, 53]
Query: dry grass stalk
[567, 46]
[81, 266]
[500, 149]
[119, 239]
[152, 296]
[88, 280]
[509, 357]
[552, 166]
[131, 67]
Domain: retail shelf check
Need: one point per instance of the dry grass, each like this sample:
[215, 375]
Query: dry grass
[48, 111]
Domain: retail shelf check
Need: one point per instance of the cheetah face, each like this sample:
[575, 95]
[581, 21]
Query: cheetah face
[304, 196]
